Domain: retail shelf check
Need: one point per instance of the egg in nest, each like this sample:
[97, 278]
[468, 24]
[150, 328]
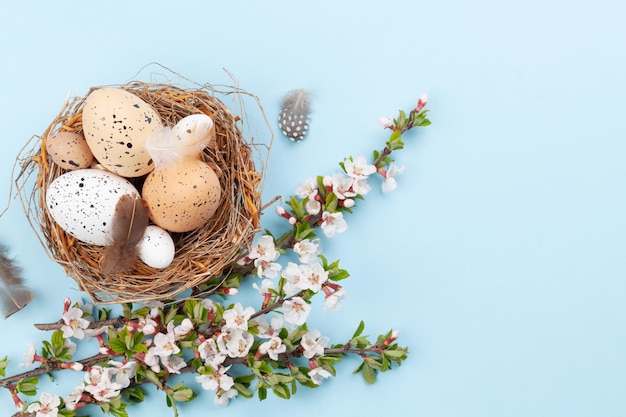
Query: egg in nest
[182, 197]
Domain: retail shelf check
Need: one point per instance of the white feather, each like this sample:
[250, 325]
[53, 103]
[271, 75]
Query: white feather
[185, 140]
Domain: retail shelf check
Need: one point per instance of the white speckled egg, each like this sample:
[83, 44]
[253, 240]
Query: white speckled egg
[156, 249]
[182, 197]
[83, 202]
[69, 150]
[116, 124]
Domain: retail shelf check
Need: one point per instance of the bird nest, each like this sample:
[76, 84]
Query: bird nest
[202, 256]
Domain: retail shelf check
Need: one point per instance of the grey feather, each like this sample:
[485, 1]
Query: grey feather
[295, 114]
[13, 294]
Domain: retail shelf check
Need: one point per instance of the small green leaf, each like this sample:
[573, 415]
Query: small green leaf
[4, 362]
[359, 329]
[262, 392]
[369, 373]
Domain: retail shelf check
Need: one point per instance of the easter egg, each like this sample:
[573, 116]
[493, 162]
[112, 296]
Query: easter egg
[182, 197]
[156, 248]
[82, 202]
[69, 150]
[116, 124]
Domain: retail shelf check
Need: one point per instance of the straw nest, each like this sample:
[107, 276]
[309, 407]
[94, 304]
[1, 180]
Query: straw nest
[202, 255]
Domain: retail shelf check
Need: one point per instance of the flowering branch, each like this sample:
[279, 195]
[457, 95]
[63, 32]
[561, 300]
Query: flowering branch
[271, 347]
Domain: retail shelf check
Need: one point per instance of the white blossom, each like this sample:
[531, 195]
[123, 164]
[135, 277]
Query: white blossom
[47, 406]
[123, 372]
[264, 249]
[307, 188]
[313, 276]
[307, 250]
[237, 317]
[332, 302]
[75, 324]
[333, 223]
[270, 330]
[389, 183]
[218, 379]
[29, 356]
[358, 168]
[294, 278]
[296, 311]
[273, 347]
[72, 400]
[313, 343]
[234, 342]
[222, 399]
[318, 375]
[210, 354]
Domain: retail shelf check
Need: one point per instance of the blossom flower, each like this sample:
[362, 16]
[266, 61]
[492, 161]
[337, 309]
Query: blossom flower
[151, 359]
[47, 406]
[75, 324]
[389, 183]
[318, 375]
[71, 401]
[265, 287]
[307, 188]
[265, 268]
[361, 187]
[358, 168]
[273, 347]
[104, 390]
[183, 329]
[386, 122]
[294, 278]
[314, 276]
[313, 343]
[342, 185]
[124, 372]
[267, 331]
[332, 301]
[174, 364]
[307, 250]
[313, 207]
[210, 354]
[222, 399]
[165, 344]
[234, 342]
[30, 356]
[296, 311]
[147, 325]
[218, 379]
[333, 223]
[264, 249]
[237, 317]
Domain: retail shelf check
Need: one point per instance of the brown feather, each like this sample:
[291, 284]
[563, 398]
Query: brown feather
[129, 224]
[14, 295]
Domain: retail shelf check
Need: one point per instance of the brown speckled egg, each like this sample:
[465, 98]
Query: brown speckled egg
[69, 150]
[116, 124]
[182, 197]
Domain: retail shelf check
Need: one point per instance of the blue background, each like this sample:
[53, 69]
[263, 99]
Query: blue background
[500, 258]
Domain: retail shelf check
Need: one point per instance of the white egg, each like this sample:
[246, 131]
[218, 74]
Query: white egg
[83, 202]
[156, 249]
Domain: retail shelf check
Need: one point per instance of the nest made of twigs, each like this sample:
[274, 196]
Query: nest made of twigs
[202, 254]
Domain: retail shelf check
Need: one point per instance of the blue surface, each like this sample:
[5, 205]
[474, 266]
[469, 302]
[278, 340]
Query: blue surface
[500, 258]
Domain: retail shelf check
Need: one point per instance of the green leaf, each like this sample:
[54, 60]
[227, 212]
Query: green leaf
[243, 390]
[262, 392]
[282, 391]
[369, 373]
[359, 329]
[184, 395]
[134, 394]
[4, 362]
[117, 345]
[27, 386]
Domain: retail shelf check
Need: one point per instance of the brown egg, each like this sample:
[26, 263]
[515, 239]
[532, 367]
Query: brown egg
[182, 197]
[69, 150]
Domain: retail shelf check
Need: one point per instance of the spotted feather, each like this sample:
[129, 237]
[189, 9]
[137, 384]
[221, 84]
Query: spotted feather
[295, 114]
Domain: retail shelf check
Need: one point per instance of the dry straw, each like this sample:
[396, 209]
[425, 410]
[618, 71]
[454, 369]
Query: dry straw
[201, 255]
